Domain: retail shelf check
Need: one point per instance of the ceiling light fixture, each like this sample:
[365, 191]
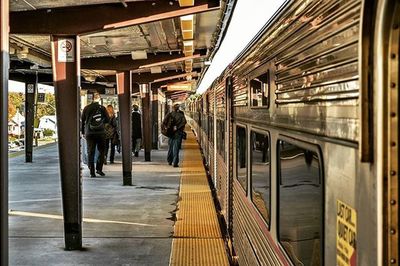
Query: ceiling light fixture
[188, 47]
[183, 3]
[138, 55]
[155, 70]
[187, 27]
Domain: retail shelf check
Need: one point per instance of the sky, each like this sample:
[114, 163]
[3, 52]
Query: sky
[248, 18]
[15, 86]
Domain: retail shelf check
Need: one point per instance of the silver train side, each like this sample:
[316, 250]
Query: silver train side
[300, 136]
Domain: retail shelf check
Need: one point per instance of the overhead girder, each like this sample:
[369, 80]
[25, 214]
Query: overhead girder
[93, 18]
[146, 77]
[125, 62]
[21, 75]
[118, 63]
[18, 75]
[149, 78]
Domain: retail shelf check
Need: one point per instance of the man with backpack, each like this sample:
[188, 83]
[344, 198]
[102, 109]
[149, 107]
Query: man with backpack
[94, 118]
[173, 127]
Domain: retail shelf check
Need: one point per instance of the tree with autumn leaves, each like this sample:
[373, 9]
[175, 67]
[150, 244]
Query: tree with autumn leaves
[16, 102]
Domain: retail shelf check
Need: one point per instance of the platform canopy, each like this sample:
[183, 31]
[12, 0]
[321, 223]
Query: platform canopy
[161, 42]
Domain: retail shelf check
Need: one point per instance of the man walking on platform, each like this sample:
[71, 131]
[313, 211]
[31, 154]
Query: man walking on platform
[136, 130]
[94, 117]
[176, 122]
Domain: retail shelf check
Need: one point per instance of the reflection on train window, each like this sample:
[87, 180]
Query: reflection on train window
[259, 89]
[241, 156]
[260, 173]
[300, 204]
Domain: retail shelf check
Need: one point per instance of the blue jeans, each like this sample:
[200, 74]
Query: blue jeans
[173, 147]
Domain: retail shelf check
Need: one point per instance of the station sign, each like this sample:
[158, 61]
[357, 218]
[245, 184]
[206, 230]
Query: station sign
[66, 50]
[179, 87]
[41, 97]
[110, 91]
[31, 88]
[346, 235]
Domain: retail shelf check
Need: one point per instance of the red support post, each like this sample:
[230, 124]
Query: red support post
[125, 118]
[147, 120]
[66, 76]
[4, 62]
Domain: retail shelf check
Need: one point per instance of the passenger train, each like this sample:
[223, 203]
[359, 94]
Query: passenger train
[300, 137]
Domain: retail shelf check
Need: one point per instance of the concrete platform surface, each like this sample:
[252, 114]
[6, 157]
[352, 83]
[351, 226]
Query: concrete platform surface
[123, 225]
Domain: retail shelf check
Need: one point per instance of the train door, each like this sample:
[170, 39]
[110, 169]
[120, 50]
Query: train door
[214, 118]
[386, 82]
[208, 131]
[229, 152]
[392, 79]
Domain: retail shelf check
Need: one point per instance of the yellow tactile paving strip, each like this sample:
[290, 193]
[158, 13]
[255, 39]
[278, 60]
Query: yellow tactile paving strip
[197, 236]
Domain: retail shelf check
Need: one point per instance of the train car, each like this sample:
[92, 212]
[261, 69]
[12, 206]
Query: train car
[305, 137]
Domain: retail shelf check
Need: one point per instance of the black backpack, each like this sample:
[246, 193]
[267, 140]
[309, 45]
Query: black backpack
[95, 121]
[167, 126]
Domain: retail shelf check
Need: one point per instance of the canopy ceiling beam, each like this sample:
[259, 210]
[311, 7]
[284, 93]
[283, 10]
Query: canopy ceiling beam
[74, 19]
[148, 77]
[125, 62]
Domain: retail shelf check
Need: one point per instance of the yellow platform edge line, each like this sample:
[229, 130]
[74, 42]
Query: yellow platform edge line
[197, 235]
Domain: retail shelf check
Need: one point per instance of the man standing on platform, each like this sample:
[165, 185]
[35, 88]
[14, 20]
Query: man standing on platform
[176, 122]
[136, 130]
[94, 118]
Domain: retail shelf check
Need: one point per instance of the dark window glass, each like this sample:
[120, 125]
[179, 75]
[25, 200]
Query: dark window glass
[259, 88]
[260, 173]
[300, 204]
[241, 156]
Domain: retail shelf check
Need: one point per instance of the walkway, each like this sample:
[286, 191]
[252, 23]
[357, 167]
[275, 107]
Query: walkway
[123, 226]
[197, 234]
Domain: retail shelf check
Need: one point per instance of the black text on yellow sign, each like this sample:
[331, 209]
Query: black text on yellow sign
[346, 235]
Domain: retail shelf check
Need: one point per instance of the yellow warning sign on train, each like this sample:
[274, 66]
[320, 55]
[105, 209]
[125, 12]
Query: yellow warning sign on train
[346, 235]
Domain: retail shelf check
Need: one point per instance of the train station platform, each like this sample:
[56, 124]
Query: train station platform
[123, 225]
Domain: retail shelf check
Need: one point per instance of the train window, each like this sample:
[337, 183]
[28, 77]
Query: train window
[241, 156]
[300, 210]
[259, 89]
[260, 173]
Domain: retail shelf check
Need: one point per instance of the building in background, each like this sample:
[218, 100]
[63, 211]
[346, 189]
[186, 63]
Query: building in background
[16, 125]
[48, 122]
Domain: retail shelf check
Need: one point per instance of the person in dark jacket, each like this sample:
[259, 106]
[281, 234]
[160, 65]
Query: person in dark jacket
[136, 130]
[111, 134]
[94, 118]
[176, 120]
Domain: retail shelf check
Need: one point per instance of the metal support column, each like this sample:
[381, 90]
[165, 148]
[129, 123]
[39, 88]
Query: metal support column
[125, 112]
[30, 96]
[66, 76]
[147, 123]
[155, 114]
[4, 61]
